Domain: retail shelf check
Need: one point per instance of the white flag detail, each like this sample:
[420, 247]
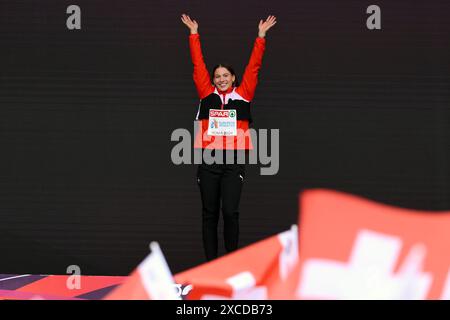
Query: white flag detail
[156, 276]
[369, 274]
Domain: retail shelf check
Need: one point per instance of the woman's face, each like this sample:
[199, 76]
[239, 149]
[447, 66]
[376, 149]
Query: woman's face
[223, 79]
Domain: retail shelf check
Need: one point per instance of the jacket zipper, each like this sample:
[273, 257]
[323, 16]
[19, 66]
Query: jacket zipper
[223, 102]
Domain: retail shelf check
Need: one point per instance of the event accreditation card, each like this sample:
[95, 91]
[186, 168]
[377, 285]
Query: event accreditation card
[222, 122]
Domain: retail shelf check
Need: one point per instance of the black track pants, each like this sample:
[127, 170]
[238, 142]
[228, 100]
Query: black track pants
[220, 183]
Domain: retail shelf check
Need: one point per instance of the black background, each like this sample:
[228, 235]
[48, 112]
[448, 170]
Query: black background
[86, 118]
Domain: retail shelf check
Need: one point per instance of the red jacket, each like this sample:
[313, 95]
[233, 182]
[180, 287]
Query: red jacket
[241, 95]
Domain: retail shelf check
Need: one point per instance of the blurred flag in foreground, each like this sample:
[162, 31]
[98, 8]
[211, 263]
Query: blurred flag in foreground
[263, 270]
[152, 280]
[352, 248]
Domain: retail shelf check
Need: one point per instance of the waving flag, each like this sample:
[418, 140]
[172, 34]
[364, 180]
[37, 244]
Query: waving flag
[263, 270]
[152, 280]
[352, 248]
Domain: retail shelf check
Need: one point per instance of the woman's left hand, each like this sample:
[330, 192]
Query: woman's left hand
[264, 26]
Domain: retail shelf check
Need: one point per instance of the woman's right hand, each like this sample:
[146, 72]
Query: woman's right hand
[191, 24]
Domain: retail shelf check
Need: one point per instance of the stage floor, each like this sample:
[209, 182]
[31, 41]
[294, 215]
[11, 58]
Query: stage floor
[56, 287]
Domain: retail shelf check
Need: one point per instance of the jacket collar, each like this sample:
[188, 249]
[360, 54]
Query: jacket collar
[230, 89]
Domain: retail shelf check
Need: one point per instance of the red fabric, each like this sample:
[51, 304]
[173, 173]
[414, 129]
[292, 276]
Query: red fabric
[331, 225]
[201, 76]
[253, 272]
[250, 78]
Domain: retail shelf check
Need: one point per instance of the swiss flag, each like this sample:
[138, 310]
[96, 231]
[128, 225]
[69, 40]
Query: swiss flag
[152, 280]
[260, 271]
[353, 248]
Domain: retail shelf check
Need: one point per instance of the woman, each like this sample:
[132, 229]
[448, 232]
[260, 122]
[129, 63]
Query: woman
[224, 116]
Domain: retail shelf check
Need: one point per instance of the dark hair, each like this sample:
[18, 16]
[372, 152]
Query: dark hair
[229, 68]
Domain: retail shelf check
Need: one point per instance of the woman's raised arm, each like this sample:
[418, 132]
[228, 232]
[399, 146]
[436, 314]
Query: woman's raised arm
[250, 77]
[201, 76]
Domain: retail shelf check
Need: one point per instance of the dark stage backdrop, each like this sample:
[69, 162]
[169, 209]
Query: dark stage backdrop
[86, 118]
